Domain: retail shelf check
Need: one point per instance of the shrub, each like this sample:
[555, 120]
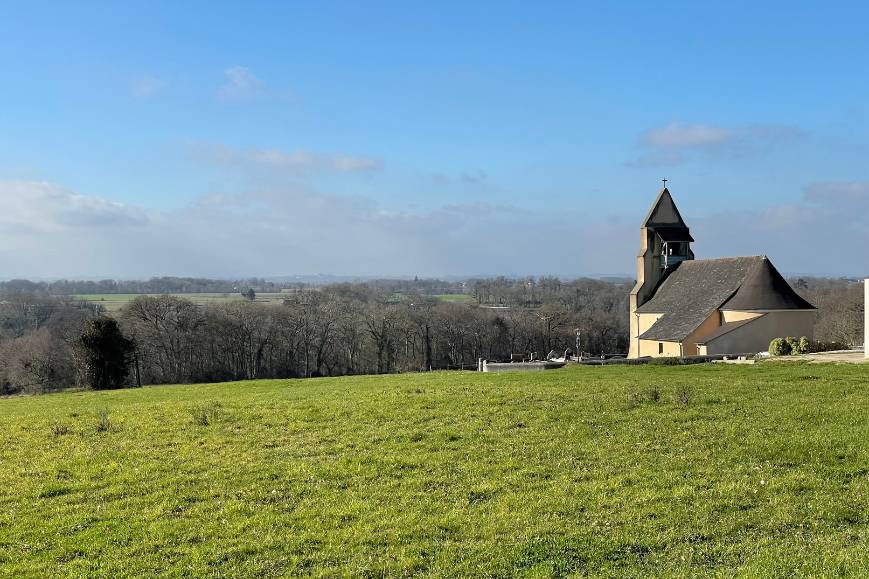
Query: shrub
[802, 346]
[666, 361]
[779, 347]
[827, 346]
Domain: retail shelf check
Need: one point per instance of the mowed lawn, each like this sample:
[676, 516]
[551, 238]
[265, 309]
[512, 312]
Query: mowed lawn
[631, 471]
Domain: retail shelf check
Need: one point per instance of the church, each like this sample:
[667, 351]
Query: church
[681, 306]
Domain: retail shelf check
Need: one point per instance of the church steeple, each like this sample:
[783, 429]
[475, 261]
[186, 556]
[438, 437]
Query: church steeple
[664, 234]
[664, 212]
[665, 241]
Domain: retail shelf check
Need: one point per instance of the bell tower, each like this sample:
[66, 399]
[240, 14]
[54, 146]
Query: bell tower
[665, 241]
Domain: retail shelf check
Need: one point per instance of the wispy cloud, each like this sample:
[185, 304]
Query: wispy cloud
[145, 86]
[815, 233]
[295, 161]
[240, 84]
[837, 192]
[279, 229]
[678, 142]
[684, 135]
[474, 177]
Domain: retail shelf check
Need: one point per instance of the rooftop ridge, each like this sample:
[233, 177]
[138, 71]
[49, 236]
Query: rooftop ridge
[734, 258]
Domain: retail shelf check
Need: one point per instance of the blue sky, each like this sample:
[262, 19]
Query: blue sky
[437, 138]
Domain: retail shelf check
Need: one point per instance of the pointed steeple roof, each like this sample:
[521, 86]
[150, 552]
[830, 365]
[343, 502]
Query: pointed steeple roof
[664, 212]
[764, 288]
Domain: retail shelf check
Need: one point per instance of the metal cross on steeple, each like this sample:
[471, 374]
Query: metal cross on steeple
[665, 182]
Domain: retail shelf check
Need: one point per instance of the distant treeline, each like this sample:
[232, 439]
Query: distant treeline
[189, 285]
[381, 326]
[156, 285]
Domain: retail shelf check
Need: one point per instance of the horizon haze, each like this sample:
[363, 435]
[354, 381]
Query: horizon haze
[390, 139]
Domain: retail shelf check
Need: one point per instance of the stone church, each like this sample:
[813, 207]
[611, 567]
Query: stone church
[681, 306]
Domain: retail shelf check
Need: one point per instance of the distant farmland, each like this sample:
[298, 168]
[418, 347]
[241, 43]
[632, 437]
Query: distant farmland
[115, 302]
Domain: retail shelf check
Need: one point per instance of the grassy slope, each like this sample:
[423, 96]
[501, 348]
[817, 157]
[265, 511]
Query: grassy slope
[764, 472]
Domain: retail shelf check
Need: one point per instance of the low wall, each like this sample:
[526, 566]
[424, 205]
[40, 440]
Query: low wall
[520, 366]
[663, 361]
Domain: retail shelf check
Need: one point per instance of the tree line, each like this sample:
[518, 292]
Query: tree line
[187, 285]
[373, 327]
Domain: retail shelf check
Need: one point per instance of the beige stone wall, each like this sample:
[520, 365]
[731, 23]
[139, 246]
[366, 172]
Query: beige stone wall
[737, 316]
[709, 325]
[651, 348]
[646, 321]
[647, 277]
[866, 320]
[687, 347]
[757, 334]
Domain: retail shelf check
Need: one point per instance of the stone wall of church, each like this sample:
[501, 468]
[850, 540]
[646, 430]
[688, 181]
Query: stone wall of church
[656, 349]
[756, 335]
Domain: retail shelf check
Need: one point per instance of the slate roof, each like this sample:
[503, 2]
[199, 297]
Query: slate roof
[664, 212]
[695, 288]
[674, 233]
[727, 328]
[766, 289]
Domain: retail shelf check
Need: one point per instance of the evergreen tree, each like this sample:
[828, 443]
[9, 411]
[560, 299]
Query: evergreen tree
[103, 355]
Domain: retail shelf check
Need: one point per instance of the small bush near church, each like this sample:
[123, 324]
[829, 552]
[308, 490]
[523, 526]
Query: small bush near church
[779, 347]
[803, 346]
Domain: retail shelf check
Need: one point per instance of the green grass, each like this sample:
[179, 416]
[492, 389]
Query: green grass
[631, 471]
[114, 302]
[456, 298]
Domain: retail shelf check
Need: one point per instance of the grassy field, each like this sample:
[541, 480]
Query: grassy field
[456, 298]
[632, 471]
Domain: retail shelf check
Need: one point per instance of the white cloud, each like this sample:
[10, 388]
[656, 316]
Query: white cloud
[41, 207]
[296, 161]
[679, 135]
[146, 86]
[678, 142]
[277, 229]
[240, 85]
[50, 231]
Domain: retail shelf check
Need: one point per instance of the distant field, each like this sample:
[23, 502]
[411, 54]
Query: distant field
[114, 302]
[456, 298]
[620, 471]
